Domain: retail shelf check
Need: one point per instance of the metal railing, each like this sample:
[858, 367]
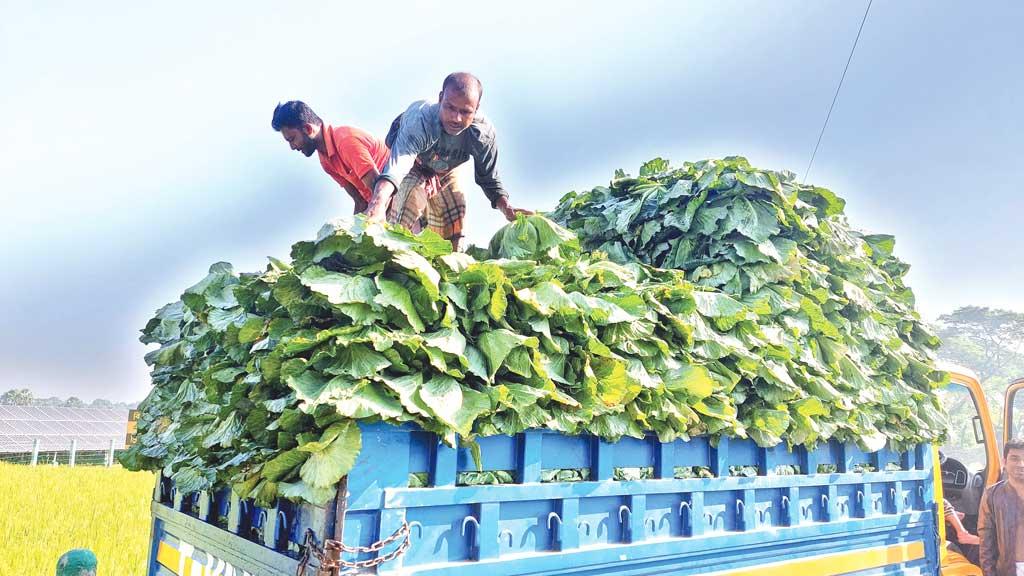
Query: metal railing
[72, 456]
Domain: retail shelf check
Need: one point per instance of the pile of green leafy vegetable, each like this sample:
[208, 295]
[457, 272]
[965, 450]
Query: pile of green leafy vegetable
[260, 379]
[831, 301]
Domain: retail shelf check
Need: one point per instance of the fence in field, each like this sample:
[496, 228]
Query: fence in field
[47, 435]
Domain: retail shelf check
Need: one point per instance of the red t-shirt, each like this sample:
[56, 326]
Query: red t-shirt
[351, 153]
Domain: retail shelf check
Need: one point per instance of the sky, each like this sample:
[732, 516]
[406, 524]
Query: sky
[136, 147]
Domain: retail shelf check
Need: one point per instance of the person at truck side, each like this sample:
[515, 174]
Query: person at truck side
[1001, 518]
[418, 186]
[352, 157]
[959, 536]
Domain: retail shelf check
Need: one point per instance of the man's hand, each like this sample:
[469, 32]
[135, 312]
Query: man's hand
[358, 206]
[508, 211]
[377, 210]
[968, 538]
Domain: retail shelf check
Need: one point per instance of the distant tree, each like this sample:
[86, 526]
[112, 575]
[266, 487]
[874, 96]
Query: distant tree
[51, 401]
[989, 341]
[74, 402]
[101, 403]
[16, 397]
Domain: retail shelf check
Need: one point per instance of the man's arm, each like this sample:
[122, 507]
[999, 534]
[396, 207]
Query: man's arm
[485, 164]
[358, 203]
[413, 137]
[988, 551]
[368, 179]
[356, 153]
[382, 193]
[953, 520]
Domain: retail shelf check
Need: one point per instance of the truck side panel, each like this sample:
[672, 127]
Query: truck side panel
[737, 507]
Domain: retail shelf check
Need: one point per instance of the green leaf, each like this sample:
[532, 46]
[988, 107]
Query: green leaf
[221, 319]
[421, 270]
[395, 295]
[654, 167]
[307, 386]
[252, 330]
[496, 345]
[408, 387]
[693, 380]
[339, 288]
[227, 375]
[304, 492]
[499, 303]
[225, 433]
[752, 219]
[325, 467]
[358, 361]
[281, 466]
[443, 395]
[367, 400]
[614, 384]
[768, 426]
[476, 362]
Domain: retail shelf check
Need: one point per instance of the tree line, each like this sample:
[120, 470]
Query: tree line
[989, 341]
[24, 397]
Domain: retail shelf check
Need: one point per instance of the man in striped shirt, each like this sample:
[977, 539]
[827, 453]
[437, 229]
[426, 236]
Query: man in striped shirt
[417, 186]
[352, 157]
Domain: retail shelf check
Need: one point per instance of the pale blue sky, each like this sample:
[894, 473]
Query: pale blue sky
[137, 147]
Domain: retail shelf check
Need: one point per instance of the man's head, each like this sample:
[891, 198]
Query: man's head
[460, 97]
[299, 125]
[1013, 458]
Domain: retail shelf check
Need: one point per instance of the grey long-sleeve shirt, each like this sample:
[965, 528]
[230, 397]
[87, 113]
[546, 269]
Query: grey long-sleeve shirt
[417, 134]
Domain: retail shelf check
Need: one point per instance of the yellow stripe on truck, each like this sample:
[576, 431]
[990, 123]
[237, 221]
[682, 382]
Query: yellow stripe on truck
[168, 556]
[171, 558]
[940, 507]
[837, 563]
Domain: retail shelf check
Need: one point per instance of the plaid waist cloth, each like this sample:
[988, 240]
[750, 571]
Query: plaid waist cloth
[426, 199]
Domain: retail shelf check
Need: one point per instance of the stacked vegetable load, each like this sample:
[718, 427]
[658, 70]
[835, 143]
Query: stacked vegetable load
[768, 318]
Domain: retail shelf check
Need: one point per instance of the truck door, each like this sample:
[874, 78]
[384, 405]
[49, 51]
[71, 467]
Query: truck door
[969, 459]
[1013, 412]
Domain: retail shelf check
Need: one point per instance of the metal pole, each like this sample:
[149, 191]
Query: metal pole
[110, 454]
[74, 448]
[35, 451]
[340, 507]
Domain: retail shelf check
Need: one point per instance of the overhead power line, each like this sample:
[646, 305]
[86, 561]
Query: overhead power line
[838, 88]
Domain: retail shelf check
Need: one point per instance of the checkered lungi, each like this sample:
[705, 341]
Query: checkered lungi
[429, 200]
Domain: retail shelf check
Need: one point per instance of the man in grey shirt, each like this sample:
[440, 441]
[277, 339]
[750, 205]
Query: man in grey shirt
[417, 186]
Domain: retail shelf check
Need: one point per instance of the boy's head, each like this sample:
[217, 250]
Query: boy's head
[78, 562]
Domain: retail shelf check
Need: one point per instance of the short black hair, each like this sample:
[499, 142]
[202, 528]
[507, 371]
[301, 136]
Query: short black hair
[294, 114]
[463, 83]
[1012, 445]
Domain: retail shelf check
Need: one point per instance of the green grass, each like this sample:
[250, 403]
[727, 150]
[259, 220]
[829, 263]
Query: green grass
[46, 511]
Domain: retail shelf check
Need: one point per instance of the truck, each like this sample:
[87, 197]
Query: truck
[579, 505]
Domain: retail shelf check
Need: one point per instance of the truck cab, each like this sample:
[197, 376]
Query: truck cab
[970, 459]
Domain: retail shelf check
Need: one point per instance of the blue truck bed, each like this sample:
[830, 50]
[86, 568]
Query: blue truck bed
[826, 518]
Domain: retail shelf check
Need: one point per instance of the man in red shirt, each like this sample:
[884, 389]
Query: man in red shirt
[353, 157]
